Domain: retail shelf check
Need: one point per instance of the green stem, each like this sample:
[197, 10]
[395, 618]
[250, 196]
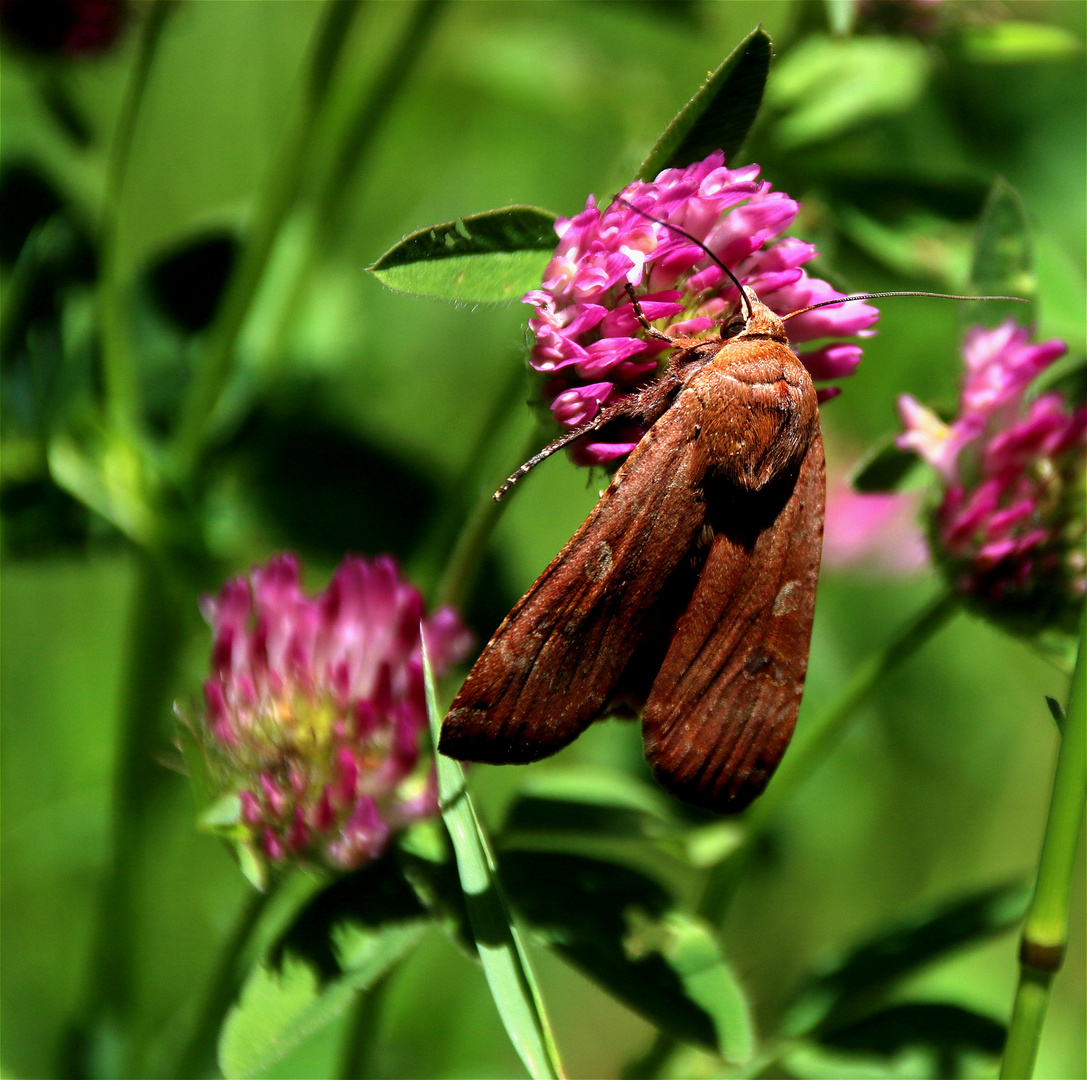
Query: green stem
[156, 635]
[356, 1060]
[384, 91]
[471, 544]
[118, 370]
[818, 737]
[199, 1052]
[271, 212]
[352, 146]
[1045, 932]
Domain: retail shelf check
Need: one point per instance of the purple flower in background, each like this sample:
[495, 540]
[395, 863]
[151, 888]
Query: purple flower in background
[314, 708]
[63, 27]
[1009, 529]
[878, 532]
[588, 341]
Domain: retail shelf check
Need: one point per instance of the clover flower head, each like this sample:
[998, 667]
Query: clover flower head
[314, 708]
[588, 341]
[1009, 528]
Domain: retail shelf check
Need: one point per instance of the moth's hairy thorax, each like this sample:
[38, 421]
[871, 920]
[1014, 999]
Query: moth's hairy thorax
[759, 407]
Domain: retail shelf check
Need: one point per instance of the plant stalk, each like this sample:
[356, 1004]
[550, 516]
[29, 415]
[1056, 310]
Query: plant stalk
[356, 1059]
[118, 369]
[352, 144]
[199, 1052]
[271, 212]
[156, 635]
[1045, 931]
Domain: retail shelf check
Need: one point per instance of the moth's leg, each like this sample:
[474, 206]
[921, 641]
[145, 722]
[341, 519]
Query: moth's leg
[643, 322]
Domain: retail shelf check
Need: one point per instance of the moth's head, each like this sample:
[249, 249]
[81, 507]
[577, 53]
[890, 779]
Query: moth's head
[753, 319]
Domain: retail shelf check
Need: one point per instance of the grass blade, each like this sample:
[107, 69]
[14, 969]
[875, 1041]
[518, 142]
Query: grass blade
[501, 951]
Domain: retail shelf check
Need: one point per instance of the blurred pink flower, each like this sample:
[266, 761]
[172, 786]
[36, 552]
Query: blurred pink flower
[877, 531]
[314, 708]
[1009, 528]
[588, 341]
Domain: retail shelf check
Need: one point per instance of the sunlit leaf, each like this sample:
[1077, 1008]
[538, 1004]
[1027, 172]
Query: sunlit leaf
[721, 112]
[340, 943]
[826, 86]
[627, 933]
[812, 1061]
[487, 258]
[1014, 42]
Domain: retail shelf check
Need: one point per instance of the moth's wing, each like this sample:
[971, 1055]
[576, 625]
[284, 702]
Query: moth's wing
[723, 706]
[553, 664]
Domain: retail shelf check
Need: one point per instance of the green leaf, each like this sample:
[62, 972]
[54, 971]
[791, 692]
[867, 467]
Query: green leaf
[341, 943]
[1014, 42]
[811, 1061]
[826, 86]
[877, 964]
[1003, 253]
[626, 932]
[919, 244]
[721, 112]
[487, 258]
[498, 941]
[585, 808]
[885, 468]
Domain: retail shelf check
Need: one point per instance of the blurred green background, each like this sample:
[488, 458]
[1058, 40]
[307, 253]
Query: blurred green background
[353, 413]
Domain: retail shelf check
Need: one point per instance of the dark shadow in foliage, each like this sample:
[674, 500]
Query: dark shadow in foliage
[584, 908]
[40, 520]
[326, 488]
[888, 199]
[187, 283]
[372, 897]
[953, 1034]
[853, 984]
[438, 887]
[26, 200]
[535, 813]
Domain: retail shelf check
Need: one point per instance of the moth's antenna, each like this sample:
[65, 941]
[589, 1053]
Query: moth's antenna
[884, 295]
[694, 240]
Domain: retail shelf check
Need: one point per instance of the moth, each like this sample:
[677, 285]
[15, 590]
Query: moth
[689, 590]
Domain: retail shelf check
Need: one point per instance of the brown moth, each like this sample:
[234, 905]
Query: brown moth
[690, 588]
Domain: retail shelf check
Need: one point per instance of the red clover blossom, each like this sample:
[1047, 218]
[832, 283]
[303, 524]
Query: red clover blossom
[1009, 528]
[588, 341]
[314, 709]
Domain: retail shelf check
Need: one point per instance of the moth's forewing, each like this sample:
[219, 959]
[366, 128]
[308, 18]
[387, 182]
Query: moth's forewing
[553, 665]
[691, 587]
[723, 706]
